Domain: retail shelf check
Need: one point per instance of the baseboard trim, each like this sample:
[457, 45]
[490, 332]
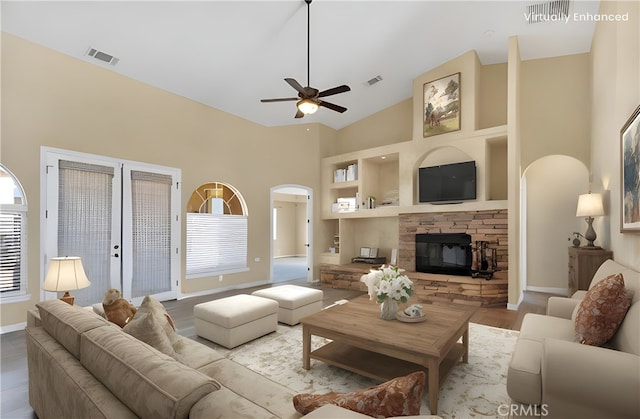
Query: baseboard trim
[550, 290]
[12, 328]
[223, 289]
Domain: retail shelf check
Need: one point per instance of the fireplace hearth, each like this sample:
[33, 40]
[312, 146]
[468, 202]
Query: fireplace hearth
[444, 253]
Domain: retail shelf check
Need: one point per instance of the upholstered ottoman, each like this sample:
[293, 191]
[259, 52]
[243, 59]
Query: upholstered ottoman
[294, 302]
[235, 320]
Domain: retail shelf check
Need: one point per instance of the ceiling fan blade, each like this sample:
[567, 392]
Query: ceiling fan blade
[332, 106]
[283, 99]
[334, 91]
[299, 114]
[293, 83]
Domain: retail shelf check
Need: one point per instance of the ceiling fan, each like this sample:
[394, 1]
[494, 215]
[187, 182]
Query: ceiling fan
[309, 97]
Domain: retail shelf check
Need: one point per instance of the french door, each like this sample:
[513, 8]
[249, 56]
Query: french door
[120, 217]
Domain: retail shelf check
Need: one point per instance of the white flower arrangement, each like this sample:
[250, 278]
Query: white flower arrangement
[388, 282]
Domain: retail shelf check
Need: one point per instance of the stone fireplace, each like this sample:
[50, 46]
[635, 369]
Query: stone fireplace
[488, 226]
[444, 253]
[480, 226]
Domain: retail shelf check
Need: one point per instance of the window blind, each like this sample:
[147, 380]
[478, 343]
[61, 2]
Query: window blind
[216, 244]
[84, 223]
[10, 251]
[151, 224]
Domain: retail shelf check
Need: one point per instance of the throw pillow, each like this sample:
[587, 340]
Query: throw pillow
[601, 311]
[150, 324]
[99, 310]
[154, 306]
[398, 397]
[147, 328]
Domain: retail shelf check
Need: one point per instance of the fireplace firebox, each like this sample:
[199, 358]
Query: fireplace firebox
[444, 253]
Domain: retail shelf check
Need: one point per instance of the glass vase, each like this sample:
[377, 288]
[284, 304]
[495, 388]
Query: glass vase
[388, 309]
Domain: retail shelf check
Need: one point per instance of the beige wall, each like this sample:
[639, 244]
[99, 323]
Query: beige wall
[555, 104]
[514, 168]
[492, 101]
[50, 99]
[615, 86]
[391, 125]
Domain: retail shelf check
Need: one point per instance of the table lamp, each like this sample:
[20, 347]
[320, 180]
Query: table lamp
[590, 205]
[65, 274]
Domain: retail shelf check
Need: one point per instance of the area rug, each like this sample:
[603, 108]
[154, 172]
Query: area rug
[472, 390]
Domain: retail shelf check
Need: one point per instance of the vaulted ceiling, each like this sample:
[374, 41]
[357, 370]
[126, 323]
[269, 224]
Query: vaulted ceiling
[231, 54]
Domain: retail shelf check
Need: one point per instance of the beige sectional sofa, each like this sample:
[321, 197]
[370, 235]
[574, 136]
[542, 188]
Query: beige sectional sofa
[552, 375]
[82, 366]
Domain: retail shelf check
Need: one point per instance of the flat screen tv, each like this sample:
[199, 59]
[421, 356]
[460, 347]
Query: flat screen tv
[447, 183]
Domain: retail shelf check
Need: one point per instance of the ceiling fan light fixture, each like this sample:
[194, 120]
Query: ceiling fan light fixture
[308, 100]
[307, 106]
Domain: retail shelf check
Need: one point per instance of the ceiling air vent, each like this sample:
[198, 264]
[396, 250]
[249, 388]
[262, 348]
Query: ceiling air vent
[557, 10]
[102, 56]
[374, 80]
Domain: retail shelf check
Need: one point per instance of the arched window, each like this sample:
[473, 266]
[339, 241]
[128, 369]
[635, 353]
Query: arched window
[217, 221]
[13, 238]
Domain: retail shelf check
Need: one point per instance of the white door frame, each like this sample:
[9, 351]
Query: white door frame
[296, 190]
[49, 158]
[120, 264]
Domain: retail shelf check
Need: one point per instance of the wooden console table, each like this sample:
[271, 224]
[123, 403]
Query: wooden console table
[476, 292]
[583, 263]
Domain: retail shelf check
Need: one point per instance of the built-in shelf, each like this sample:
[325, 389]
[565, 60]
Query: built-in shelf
[389, 173]
[344, 185]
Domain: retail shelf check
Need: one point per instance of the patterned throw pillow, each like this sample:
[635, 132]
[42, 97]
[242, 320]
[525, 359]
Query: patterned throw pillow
[398, 397]
[601, 311]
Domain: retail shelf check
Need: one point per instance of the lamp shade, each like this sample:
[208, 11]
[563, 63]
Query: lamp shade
[307, 106]
[65, 274]
[590, 205]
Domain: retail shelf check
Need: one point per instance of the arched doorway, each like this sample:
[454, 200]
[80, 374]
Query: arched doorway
[291, 233]
[550, 189]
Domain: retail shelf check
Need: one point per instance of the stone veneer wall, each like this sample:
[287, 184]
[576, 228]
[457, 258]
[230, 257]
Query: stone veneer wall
[487, 225]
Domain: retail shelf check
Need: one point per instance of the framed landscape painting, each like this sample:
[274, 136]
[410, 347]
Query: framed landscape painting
[630, 174]
[441, 111]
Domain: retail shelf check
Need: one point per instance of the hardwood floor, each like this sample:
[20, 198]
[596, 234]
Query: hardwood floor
[14, 398]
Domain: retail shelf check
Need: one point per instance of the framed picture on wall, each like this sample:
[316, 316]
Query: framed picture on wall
[441, 110]
[630, 174]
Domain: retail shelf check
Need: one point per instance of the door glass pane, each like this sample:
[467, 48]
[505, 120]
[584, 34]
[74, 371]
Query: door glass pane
[84, 223]
[151, 227]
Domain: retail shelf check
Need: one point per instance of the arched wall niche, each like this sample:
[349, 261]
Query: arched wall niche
[442, 155]
[437, 156]
[550, 189]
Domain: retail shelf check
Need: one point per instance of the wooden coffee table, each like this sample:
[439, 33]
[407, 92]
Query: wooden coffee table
[383, 349]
